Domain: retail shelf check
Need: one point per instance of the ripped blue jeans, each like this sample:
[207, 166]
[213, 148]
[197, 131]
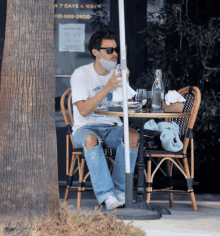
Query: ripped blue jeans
[103, 183]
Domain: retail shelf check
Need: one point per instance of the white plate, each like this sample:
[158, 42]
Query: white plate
[115, 107]
[132, 106]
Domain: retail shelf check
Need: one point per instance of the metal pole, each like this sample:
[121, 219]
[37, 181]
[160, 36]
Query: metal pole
[129, 176]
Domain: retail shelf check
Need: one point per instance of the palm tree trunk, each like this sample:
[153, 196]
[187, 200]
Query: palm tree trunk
[28, 152]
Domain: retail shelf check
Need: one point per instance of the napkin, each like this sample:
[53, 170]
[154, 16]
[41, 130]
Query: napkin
[172, 97]
[117, 94]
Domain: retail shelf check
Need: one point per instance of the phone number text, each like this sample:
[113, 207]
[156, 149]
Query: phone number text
[71, 16]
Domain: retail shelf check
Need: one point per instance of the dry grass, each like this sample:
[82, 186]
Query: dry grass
[80, 224]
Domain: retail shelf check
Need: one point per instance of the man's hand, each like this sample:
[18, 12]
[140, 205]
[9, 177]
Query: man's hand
[114, 81]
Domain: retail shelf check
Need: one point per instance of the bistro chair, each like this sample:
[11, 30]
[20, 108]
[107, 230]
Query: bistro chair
[179, 159]
[77, 154]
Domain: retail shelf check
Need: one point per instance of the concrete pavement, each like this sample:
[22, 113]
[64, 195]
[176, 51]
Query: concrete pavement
[184, 221]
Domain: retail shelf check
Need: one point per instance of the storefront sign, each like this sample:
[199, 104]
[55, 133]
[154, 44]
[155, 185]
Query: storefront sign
[72, 37]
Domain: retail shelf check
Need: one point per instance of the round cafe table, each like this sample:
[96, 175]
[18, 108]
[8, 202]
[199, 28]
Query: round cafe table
[142, 114]
[143, 117]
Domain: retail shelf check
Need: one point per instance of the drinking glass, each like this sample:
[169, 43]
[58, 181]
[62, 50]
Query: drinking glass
[141, 96]
[148, 104]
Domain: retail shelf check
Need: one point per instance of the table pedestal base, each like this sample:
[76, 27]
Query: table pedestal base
[136, 214]
[143, 205]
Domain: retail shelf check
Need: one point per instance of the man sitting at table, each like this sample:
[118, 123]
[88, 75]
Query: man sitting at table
[92, 86]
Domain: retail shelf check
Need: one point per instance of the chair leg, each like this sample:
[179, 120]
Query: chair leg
[193, 199]
[148, 197]
[171, 199]
[69, 176]
[149, 181]
[169, 183]
[192, 195]
[80, 188]
[66, 197]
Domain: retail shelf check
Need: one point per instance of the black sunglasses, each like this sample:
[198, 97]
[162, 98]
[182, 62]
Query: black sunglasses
[110, 50]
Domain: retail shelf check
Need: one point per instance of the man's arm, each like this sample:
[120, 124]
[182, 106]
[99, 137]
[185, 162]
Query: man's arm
[88, 106]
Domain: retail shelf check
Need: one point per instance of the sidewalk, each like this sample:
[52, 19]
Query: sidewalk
[183, 221]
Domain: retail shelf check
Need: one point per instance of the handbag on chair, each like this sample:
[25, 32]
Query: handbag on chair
[152, 139]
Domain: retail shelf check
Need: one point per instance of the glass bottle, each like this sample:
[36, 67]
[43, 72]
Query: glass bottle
[158, 92]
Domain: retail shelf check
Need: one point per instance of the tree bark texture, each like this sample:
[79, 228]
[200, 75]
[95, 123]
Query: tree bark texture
[28, 152]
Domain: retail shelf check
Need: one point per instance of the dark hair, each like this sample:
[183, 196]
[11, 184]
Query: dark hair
[96, 39]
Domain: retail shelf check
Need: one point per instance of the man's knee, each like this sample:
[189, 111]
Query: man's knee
[133, 138]
[91, 141]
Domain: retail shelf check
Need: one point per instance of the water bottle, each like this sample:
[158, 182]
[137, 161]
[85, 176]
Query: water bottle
[158, 92]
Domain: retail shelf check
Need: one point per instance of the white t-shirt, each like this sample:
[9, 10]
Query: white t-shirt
[85, 83]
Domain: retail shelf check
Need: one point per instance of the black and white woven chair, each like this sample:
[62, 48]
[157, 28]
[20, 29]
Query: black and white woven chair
[179, 159]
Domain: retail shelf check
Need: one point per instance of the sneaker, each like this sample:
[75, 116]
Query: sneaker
[112, 202]
[121, 198]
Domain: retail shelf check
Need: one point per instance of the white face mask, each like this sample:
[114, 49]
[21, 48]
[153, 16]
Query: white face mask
[108, 65]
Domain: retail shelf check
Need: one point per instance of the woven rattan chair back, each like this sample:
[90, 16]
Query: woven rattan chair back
[67, 113]
[183, 121]
[192, 104]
